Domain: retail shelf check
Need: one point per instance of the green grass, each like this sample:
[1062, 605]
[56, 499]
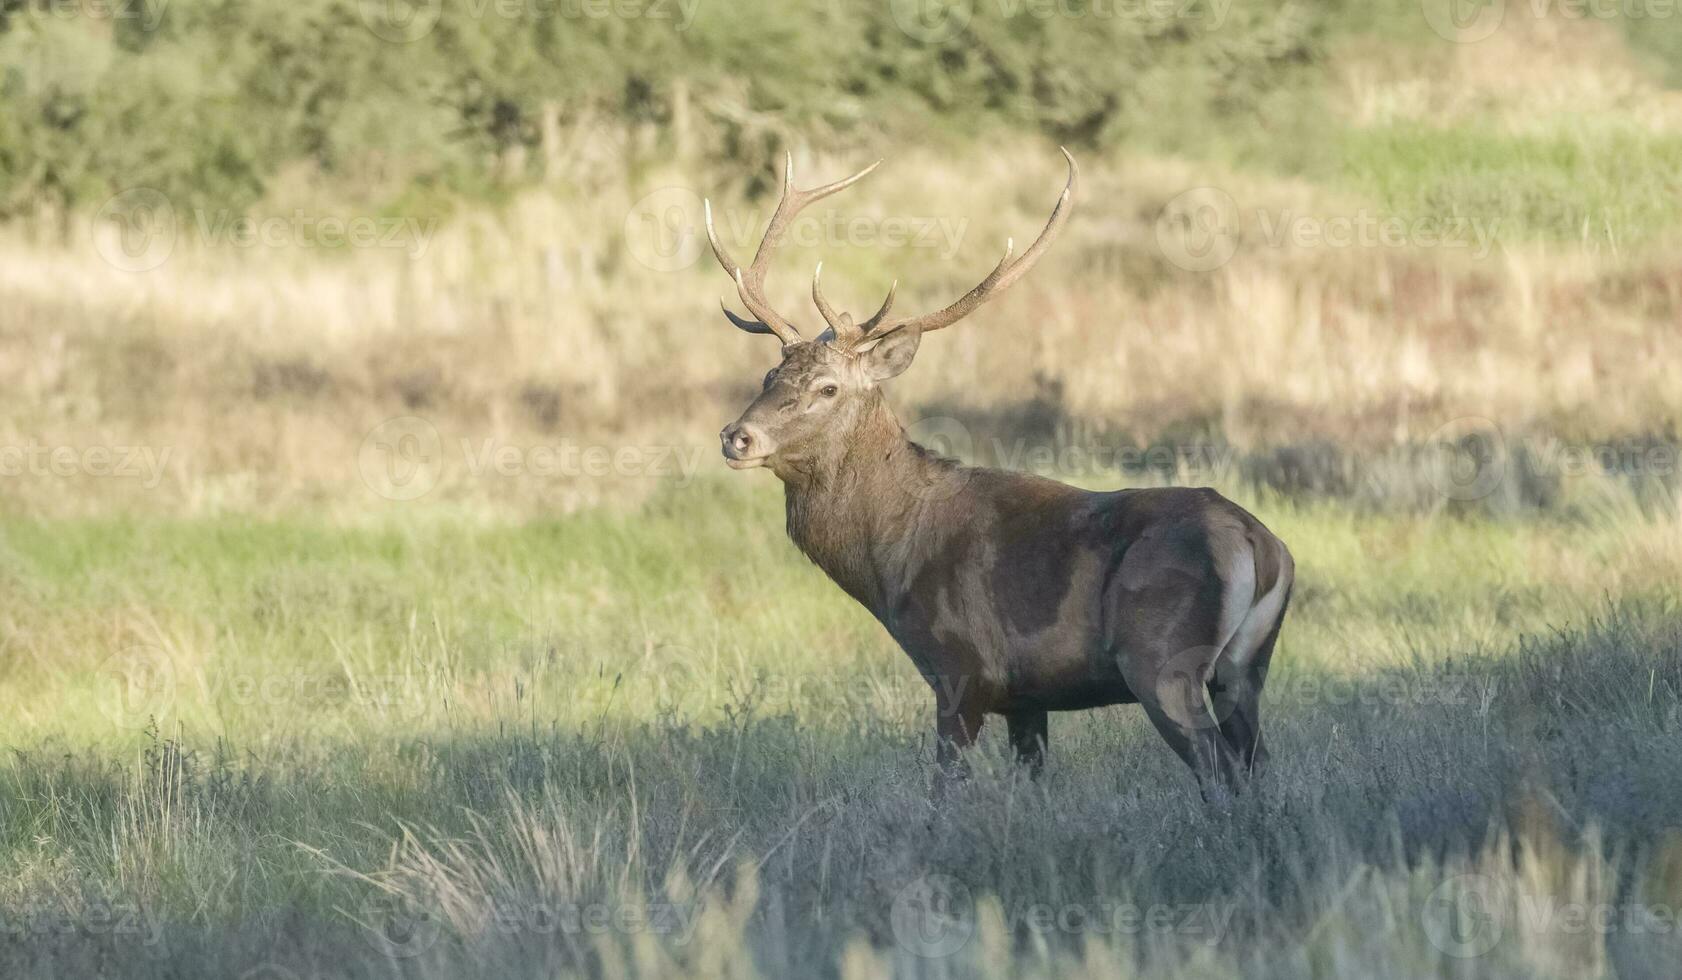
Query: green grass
[486, 724]
[594, 613]
[1602, 185]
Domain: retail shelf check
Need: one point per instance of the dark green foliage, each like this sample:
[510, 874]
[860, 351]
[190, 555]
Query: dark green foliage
[209, 100]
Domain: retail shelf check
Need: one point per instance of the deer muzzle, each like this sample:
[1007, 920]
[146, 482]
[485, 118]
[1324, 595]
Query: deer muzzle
[745, 445]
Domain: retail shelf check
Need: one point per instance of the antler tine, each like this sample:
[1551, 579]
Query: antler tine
[769, 321]
[1002, 276]
[887, 304]
[791, 204]
[817, 297]
[841, 328]
[751, 326]
[750, 282]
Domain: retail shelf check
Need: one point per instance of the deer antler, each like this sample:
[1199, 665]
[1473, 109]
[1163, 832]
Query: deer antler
[997, 281]
[842, 330]
[750, 282]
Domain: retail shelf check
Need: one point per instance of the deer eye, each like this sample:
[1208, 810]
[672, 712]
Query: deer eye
[829, 390]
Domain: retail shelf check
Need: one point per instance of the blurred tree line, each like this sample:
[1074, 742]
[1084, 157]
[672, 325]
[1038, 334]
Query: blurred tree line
[213, 101]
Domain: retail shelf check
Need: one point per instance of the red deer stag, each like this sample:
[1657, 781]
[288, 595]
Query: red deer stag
[1012, 594]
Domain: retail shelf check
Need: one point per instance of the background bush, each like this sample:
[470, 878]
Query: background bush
[210, 100]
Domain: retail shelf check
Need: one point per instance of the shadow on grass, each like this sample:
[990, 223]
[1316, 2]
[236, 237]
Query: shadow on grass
[1513, 816]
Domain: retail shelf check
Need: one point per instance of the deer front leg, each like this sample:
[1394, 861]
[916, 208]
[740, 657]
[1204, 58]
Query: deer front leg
[1028, 739]
[958, 721]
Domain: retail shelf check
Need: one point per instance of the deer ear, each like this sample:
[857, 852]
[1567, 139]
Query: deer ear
[890, 356]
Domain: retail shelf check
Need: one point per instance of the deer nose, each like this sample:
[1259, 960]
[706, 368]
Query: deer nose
[741, 441]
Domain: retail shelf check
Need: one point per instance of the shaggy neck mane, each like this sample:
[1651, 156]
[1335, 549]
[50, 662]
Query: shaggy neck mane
[856, 514]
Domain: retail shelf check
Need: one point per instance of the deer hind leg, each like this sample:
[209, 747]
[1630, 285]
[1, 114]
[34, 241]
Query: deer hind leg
[1236, 686]
[1028, 739]
[1171, 614]
[1170, 688]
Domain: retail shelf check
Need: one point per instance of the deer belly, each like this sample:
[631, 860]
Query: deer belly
[1062, 673]
[1053, 637]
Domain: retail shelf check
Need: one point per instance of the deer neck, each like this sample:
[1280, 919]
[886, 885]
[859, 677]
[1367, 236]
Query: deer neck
[856, 514]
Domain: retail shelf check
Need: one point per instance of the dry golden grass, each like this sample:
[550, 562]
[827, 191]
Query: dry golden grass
[263, 369]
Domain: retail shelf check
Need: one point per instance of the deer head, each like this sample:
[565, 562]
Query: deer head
[814, 401]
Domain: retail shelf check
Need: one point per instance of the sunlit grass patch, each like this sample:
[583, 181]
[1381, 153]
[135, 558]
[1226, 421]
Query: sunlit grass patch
[1600, 185]
[276, 629]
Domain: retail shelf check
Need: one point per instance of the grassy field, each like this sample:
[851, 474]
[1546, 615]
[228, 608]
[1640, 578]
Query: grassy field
[382, 609]
[605, 743]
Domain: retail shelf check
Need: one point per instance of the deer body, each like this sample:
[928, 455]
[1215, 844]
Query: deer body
[1014, 595]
